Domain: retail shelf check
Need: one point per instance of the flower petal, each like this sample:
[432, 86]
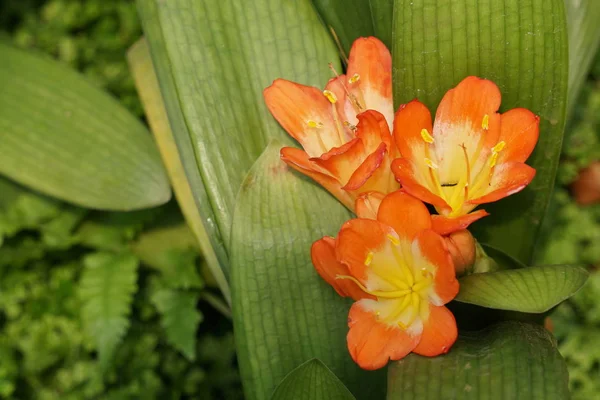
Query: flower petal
[508, 178]
[429, 247]
[405, 173]
[295, 107]
[439, 332]
[367, 204]
[323, 258]
[372, 129]
[406, 214]
[342, 161]
[410, 120]
[371, 343]
[520, 131]
[357, 238]
[367, 169]
[371, 61]
[445, 225]
[298, 160]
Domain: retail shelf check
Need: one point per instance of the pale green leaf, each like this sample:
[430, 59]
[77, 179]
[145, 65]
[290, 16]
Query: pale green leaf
[63, 137]
[312, 381]
[521, 45]
[507, 361]
[179, 318]
[284, 313]
[213, 59]
[532, 290]
[107, 286]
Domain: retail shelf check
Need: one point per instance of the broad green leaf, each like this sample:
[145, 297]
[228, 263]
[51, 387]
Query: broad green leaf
[312, 381]
[65, 138]
[213, 59]
[584, 39]
[382, 12]
[519, 44]
[179, 318]
[532, 290]
[284, 313]
[106, 290]
[503, 260]
[146, 82]
[511, 360]
[346, 19]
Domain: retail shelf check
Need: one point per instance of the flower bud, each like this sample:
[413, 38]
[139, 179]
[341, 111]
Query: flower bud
[461, 245]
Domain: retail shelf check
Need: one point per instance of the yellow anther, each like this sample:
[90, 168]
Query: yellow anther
[498, 148]
[402, 326]
[394, 240]
[427, 138]
[494, 160]
[350, 126]
[430, 163]
[425, 273]
[314, 124]
[355, 78]
[485, 124]
[369, 259]
[330, 96]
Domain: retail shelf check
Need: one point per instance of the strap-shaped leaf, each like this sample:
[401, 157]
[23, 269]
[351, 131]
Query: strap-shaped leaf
[63, 137]
[213, 59]
[584, 39]
[532, 290]
[312, 381]
[146, 82]
[382, 12]
[511, 360]
[284, 313]
[519, 44]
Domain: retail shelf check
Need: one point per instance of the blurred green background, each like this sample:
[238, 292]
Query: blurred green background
[51, 290]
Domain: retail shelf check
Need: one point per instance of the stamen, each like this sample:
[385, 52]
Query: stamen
[421, 285]
[430, 163]
[485, 124]
[369, 258]
[427, 138]
[394, 240]
[355, 78]
[464, 148]
[314, 124]
[350, 126]
[493, 162]
[498, 147]
[377, 293]
[425, 273]
[330, 96]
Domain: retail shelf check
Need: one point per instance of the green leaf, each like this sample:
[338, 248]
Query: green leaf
[503, 260]
[146, 82]
[382, 12]
[312, 381]
[511, 360]
[347, 19]
[532, 290]
[213, 59]
[63, 137]
[179, 318]
[284, 313]
[106, 289]
[584, 39]
[521, 45]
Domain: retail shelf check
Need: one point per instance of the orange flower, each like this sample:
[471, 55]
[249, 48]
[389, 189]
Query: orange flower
[345, 129]
[471, 155]
[400, 273]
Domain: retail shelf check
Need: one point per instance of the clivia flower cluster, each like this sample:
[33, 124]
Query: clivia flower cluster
[396, 260]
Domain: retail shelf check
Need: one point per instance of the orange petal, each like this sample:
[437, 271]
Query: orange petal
[298, 160]
[508, 178]
[406, 214]
[445, 225]
[342, 161]
[439, 332]
[372, 343]
[366, 169]
[520, 131]
[432, 247]
[367, 205]
[372, 129]
[409, 121]
[357, 238]
[294, 106]
[371, 61]
[404, 171]
[323, 258]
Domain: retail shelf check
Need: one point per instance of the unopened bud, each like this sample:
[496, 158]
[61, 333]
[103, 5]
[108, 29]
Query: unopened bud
[461, 245]
[586, 189]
